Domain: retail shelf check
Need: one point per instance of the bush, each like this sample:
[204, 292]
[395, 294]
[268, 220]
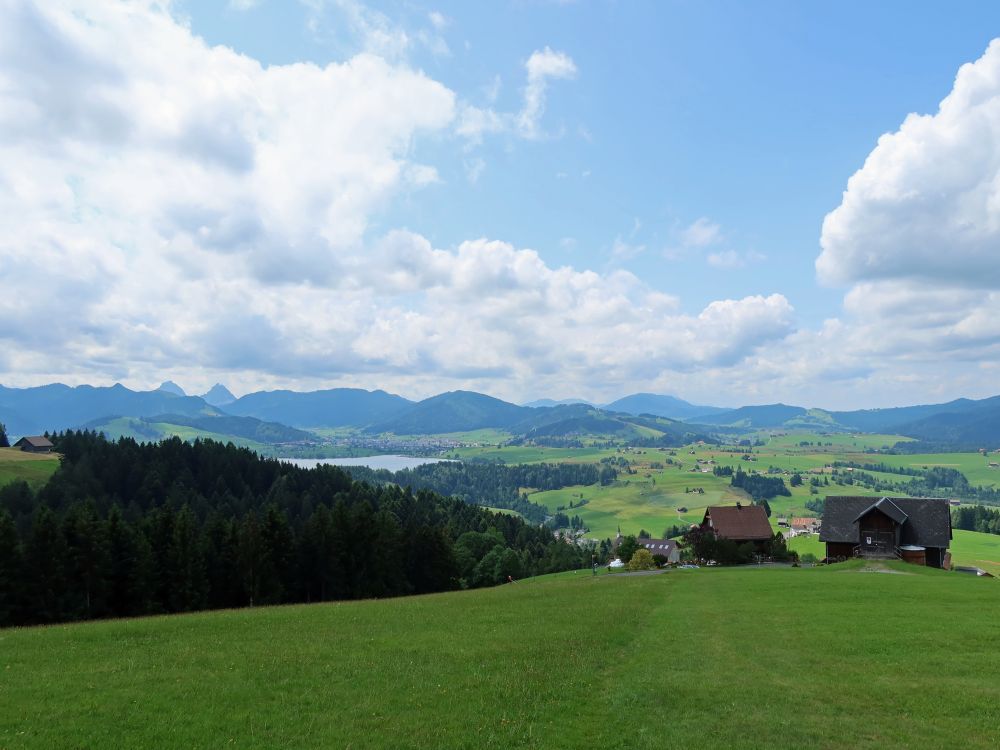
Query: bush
[641, 560]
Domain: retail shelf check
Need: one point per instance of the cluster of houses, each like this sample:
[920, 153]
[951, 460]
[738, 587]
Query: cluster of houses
[915, 530]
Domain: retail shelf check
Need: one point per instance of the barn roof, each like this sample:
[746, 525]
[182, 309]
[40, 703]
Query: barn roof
[37, 441]
[925, 521]
[739, 522]
[658, 546]
[887, 506]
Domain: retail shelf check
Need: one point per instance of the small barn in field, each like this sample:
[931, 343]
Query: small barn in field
[34, 444]
[738, 523]
[913, 529]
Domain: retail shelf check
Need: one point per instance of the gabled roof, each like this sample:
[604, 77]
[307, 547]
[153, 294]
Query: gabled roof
[926, 522]
[38, 441]
[886, 506]
[739, 522]
[804, 521]
[658, 546]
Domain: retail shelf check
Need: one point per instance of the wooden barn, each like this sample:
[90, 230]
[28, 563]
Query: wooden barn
[913, 529]
[35, 444]
[739, 523]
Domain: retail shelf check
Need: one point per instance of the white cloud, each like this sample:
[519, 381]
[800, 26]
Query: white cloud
[211, 219]
[438, 20]
[926, 203]
[474, 169]
[701, 233]
[917, 233]
[243, 4]
[543, 65]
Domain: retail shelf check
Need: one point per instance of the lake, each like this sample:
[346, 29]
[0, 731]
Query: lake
[392, 463]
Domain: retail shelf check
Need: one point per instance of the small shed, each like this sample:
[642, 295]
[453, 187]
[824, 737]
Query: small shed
[34, 444]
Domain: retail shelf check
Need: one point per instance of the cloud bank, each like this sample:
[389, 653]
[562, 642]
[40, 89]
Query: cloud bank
[172, 209]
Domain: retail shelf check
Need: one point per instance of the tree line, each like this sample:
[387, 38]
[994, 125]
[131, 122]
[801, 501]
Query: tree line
[758, 486]
[127, 528]
[492, 483]
[976, 518]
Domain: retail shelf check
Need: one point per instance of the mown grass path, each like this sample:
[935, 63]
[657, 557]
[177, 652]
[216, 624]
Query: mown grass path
[740, 658]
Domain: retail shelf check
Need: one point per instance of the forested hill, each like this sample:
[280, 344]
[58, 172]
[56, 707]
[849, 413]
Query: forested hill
[125, 528]
[494, 484]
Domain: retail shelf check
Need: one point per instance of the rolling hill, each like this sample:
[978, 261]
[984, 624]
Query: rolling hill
[455, 411]
[337, 407]
[662, 406]
[30, 411]
[769, 415]
[217, 427]
[565, 661]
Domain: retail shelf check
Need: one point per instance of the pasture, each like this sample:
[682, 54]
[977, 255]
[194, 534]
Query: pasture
[738, 658]
[33, 468]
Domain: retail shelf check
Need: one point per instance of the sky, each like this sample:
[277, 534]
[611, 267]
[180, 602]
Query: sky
[733, 203]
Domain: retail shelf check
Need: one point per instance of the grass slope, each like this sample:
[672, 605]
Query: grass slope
[33, 468]
[736, 658]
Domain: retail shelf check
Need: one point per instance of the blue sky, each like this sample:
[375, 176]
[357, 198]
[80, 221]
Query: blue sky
[525, 198]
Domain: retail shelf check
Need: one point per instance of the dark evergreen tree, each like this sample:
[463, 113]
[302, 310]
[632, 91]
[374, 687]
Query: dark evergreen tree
[87, 558]
[11, 571]
[45, 560]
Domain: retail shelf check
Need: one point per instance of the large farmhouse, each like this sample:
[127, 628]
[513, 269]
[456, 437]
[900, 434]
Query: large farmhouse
[917, 530]
[738, 523]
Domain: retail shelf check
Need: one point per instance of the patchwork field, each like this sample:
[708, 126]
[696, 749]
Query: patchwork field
[33, 468]
[737, 658]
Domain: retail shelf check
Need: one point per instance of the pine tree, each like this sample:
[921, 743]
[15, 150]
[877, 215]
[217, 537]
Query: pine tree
[87, 555]
[11, 571]
[4, 442]
[45, 559]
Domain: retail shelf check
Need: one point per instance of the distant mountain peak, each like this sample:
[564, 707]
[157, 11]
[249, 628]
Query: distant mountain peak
[219, 395]
[171, 387]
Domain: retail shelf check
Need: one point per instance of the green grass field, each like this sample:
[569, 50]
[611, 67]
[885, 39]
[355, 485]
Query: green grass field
[734, 658]
[33, 468]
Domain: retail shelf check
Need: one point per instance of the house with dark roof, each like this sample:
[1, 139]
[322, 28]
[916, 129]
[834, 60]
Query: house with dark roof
[663, 547]
[914, 529]
[35, 444]
[738, 523]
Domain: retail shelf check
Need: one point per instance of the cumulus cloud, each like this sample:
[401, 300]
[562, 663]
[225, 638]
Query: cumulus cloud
[916, 235]
[926, 203]
[177, 208]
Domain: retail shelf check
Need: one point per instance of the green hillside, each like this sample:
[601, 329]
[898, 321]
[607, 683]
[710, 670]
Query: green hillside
[33, 468]
[735, 658]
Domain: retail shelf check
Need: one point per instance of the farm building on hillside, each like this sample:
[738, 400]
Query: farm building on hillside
[35, 444]
[805, 525]
[738, 523]
[914, 529]
[663, 547]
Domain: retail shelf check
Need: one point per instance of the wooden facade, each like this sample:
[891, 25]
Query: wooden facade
[916, 530]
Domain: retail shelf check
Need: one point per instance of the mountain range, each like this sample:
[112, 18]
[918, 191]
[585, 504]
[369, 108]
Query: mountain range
[289, 416]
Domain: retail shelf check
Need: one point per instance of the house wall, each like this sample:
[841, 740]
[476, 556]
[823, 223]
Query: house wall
[840, 549]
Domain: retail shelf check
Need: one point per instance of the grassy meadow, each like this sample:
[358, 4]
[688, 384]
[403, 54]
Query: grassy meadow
[737, 658]
[33, 468]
